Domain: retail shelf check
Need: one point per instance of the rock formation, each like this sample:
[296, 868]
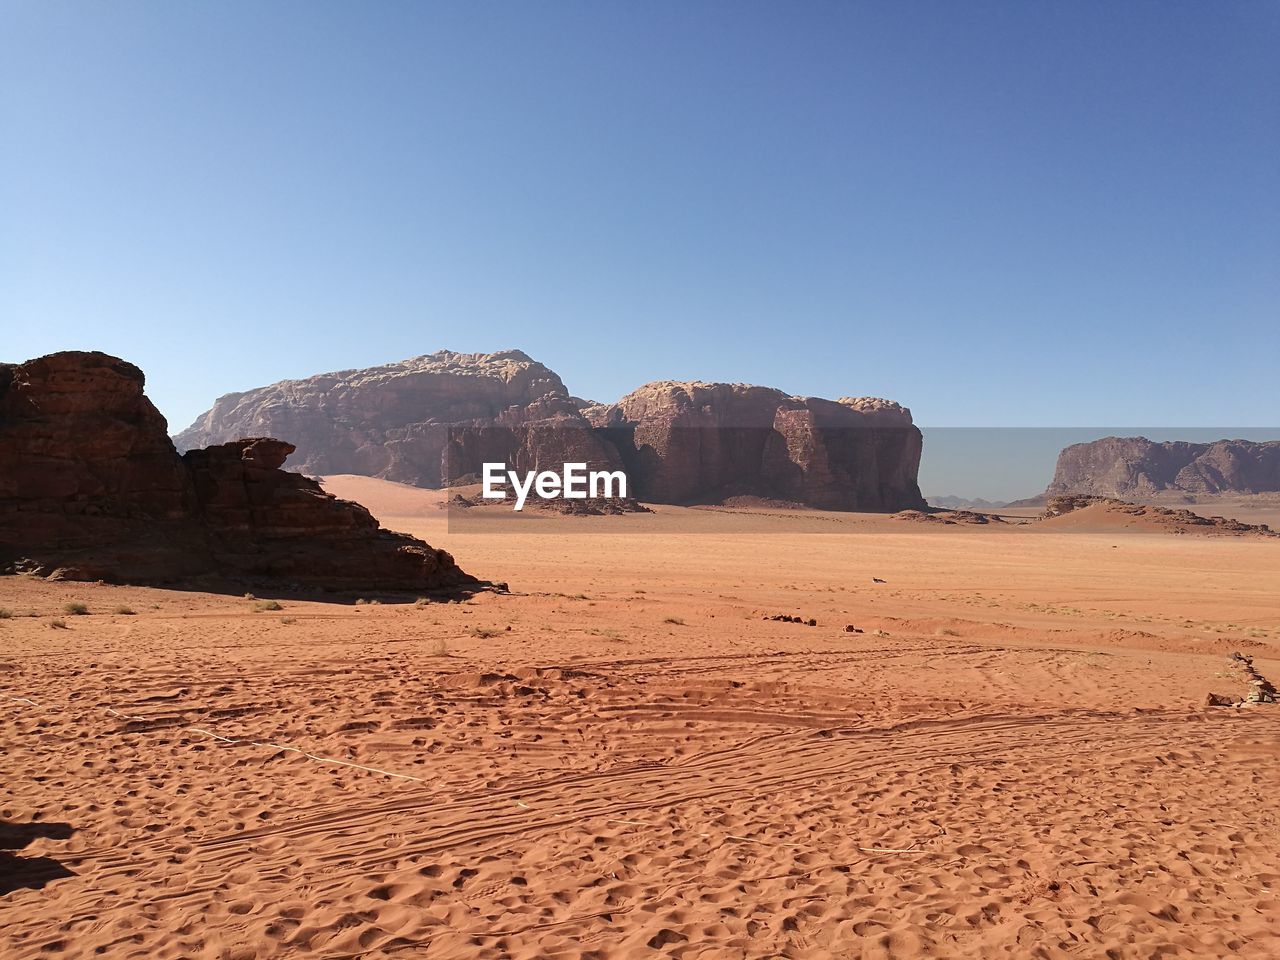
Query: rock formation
[1108, 511]
[948, 517]
[1129, 467]
[707, 442]
[91, 487]
[432, 421]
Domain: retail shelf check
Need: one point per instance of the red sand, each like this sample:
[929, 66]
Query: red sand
[1018, 763]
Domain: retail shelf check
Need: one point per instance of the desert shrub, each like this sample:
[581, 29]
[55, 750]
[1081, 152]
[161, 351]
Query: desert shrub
[58, 624]
[263, 606]
[437, 648]
[5, 613]
[124, 611]
[947, 632]
[250, 596]
[484, 633]
[421, 602]
[678, 621]
[75, 608]
[288, 620]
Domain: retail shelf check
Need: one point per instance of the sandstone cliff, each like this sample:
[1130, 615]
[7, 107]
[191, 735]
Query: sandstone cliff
[1137, 467]
[429, 421]
[91, 487]
[434, 420]
[705, 442]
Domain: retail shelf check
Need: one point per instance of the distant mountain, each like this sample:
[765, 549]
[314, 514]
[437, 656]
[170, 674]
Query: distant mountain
[429, 421]
[961, 503]
[433, 421]
[1129, 467]
[1036, 501]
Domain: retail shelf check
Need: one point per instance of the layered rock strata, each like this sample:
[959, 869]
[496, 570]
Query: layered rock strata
[91, 487]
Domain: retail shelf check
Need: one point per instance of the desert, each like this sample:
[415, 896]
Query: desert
[624, 481]
[622, 757]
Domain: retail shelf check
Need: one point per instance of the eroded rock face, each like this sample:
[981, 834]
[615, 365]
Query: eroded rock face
[92, 487]
[428, 421]
[266, 522]
[706, 442]
[84, 456]
[435, 420]
[1137, 467]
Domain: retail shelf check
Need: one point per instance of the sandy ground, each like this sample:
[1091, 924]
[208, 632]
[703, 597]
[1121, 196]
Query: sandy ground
[1258, 508]
[622, 758]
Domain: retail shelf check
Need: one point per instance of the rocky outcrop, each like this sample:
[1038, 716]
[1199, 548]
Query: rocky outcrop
[266, 522]
[91, 487]
[1111, 512]
[1261, 690]
[430, 421]
[948, 517]
[1135, 467]
[434, 420]
[708, 442]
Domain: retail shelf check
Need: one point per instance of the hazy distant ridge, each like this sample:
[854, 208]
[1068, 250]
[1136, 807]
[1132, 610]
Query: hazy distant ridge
[1129, 467]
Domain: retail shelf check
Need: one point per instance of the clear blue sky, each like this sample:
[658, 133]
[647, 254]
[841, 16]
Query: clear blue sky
[1014, 213]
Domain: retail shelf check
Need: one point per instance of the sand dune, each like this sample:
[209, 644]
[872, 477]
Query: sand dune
[1103, 516]
[386, 497]
[623, 758]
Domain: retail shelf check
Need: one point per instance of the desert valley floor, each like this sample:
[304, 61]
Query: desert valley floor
[623, 758]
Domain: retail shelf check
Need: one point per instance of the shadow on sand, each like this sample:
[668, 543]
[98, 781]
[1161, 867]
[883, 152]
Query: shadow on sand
[18, 873]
